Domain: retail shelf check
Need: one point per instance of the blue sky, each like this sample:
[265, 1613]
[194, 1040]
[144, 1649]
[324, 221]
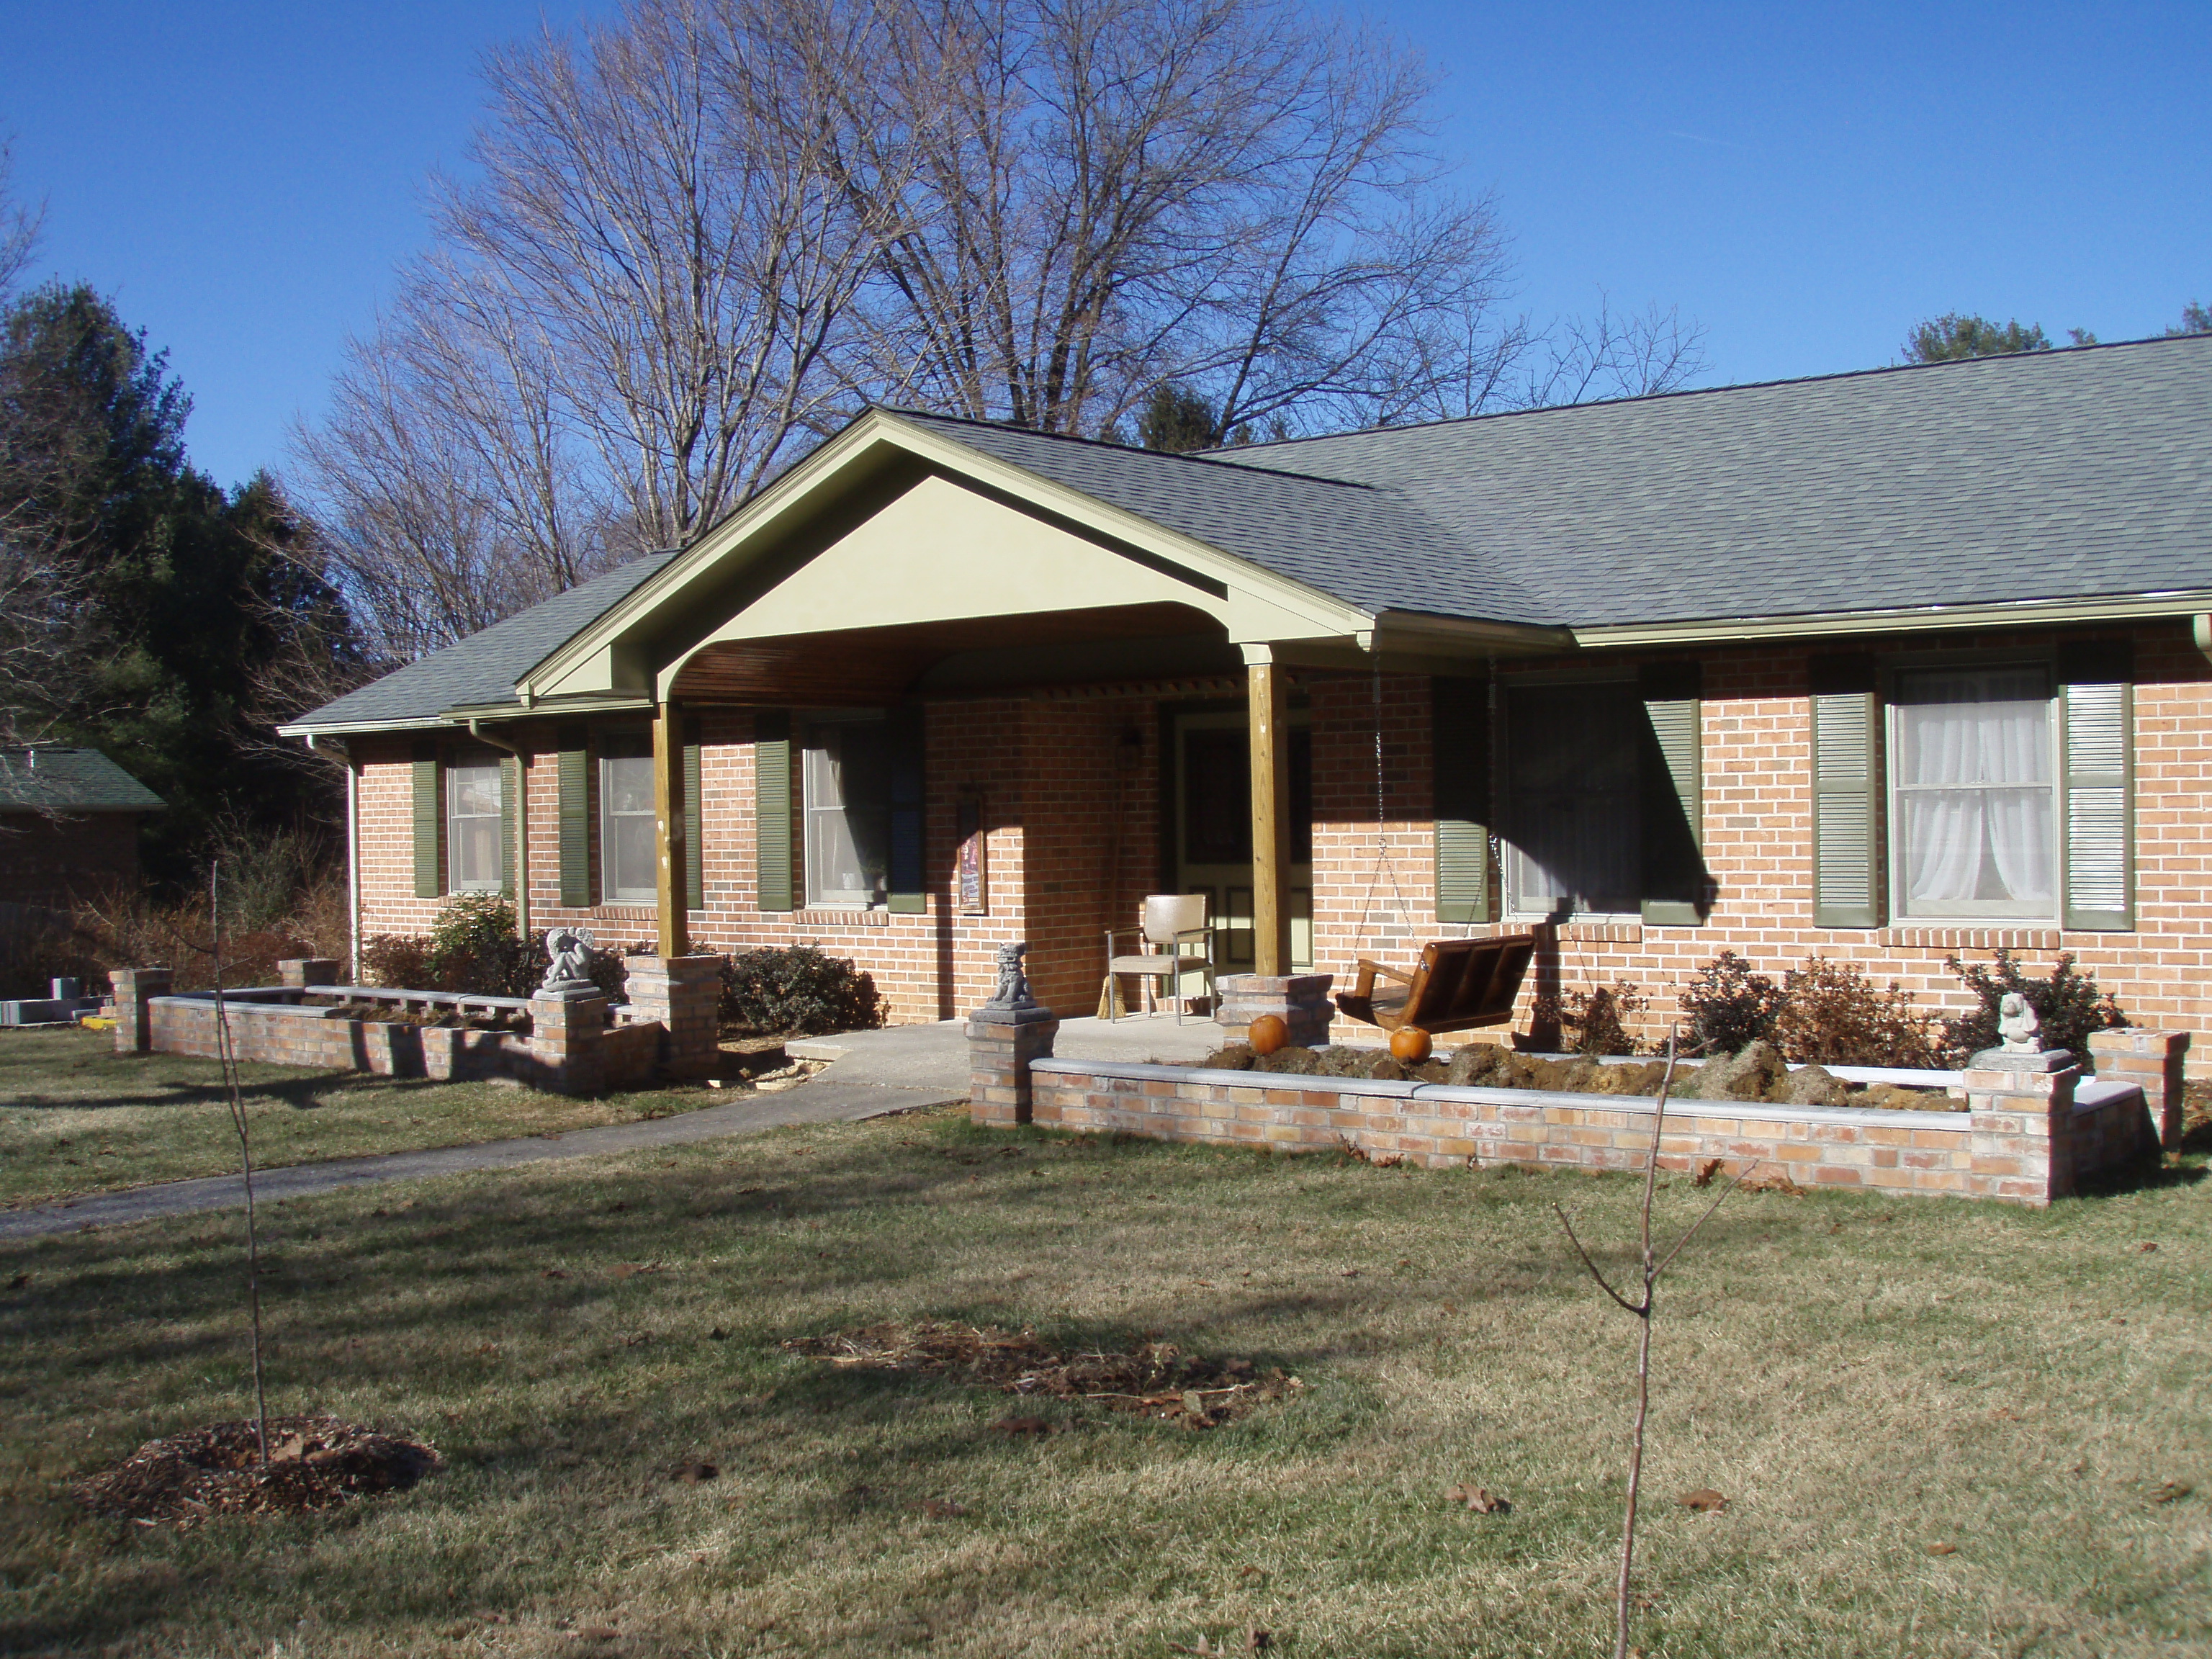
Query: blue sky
[1805, 181]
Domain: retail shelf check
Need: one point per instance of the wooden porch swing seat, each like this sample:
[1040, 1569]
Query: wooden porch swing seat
[1460, 983]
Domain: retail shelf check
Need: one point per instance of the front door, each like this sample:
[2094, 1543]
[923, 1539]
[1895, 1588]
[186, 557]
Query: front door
[1213, 822]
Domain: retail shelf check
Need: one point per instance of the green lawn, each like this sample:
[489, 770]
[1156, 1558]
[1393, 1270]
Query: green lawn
[1862, 1378]
[78, 1117]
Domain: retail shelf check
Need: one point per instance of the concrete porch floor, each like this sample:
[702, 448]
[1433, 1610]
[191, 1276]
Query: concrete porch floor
[935, 1055]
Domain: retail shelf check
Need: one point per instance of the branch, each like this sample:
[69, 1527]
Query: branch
[1702, 1220]
[1592, 1266]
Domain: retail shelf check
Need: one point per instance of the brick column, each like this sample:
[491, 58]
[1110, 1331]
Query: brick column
[303, 971]
[2021, 1109]
[134, 988]
[2154, 1061]
[567, 1042]
[1302, 1000]
[684, 994]
[1001, 1043]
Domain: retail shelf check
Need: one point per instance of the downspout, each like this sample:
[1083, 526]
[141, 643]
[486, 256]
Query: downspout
[2200, 633]
[521, 824]
[353, 860]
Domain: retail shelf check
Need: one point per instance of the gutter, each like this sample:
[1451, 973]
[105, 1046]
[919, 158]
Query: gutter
[2132, 607]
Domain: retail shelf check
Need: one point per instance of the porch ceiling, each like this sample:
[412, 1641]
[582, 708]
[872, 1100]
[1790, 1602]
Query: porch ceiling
[873, 667]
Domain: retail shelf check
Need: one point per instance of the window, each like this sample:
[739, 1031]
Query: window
[627, 857]
[472, 827]
[1974, 809]
[847, 781]
[1571, 809]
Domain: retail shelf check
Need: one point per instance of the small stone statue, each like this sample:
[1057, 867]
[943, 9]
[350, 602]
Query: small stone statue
[2022, 1031]
[1013, 990]
[570, 949]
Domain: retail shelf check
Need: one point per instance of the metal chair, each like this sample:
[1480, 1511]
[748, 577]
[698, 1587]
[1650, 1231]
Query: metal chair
[1181, 940]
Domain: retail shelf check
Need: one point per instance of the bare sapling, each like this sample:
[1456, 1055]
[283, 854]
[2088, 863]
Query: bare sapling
[226, 1056]
[1654, 1266]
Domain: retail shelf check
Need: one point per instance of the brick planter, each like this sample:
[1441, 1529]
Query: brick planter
[2026, 1138]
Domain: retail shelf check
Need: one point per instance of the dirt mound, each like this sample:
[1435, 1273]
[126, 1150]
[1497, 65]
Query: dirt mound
[314, 1463]
[1152, 1379]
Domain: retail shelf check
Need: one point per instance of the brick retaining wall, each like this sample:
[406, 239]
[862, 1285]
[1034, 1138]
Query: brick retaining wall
[2025, 1141]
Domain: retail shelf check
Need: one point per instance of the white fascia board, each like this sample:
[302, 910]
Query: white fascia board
[338, 729]
[1905, 620]
[1260, 598]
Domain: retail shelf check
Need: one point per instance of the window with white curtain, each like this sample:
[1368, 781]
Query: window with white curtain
[1974, 793]
[473, 815]
[846, 779]
[629, 871]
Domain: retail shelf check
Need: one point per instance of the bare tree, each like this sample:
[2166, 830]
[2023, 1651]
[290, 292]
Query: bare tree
[21, 224]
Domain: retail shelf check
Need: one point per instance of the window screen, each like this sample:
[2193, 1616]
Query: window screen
[1975, 793]
[627, 854]
[1571, 808]
[472, 821]
[847, 788]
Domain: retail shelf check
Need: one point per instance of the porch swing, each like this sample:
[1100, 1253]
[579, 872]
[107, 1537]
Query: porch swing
[1458, 984]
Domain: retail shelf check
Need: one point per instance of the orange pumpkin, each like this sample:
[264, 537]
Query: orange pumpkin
[1410, 1045]
[1268, 1033]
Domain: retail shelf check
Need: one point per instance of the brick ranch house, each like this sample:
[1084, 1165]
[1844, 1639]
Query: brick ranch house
[1884, 666]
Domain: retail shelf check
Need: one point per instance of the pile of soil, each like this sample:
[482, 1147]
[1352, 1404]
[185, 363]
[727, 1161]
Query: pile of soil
[314, 1463]
[1152, 1379]
[1758, 1073]
[448, 1019]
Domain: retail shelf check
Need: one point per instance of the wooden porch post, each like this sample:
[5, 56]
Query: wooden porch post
[1266, 687]
[671, 897]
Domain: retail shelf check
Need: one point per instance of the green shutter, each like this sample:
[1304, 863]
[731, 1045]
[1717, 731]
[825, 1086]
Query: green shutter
[1672, 833]
[773, 876]
[1460, 741]
[905, 882]
[695, 880]
[429, 824]
[575, 776]
[510, 792]
[2097, 699]
[1846, 794]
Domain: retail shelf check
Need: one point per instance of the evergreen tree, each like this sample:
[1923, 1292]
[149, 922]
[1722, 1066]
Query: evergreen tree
[1177, 420]
[1955, 335]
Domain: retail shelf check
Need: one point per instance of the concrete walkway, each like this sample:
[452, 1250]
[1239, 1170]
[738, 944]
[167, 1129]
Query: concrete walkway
[829, 1098]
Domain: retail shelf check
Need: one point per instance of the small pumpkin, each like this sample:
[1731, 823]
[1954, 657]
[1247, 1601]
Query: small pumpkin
[1410, 1045]
[1268, 1033]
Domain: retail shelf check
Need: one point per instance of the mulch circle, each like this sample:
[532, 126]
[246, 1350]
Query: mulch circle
[1151, 1379]
[314, 1463]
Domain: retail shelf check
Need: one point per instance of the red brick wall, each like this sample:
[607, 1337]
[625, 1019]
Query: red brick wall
[53, 861]
[1072, 813]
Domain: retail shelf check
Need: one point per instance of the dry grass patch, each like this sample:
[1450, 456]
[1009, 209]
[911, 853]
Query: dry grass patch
[1862, 1379]
[76, 1117]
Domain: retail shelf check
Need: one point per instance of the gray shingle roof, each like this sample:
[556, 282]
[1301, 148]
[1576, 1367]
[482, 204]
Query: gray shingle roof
[483, 668]
[69, 780]
[2075, 474]
[1343, 535]
[2056, 474]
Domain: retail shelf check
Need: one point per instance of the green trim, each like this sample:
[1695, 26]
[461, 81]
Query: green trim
[510, 792]
[776, 878]
[430, 823]
[2097, 848]
[906, 881]
[1460, 765]
[1673, 833]
[575, 776]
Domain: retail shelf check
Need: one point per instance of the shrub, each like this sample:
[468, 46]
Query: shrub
[1728, 1007]
[1594, 1022]
[37, 947]
[400, 961]
[1832, 1015]
[800, 990]
[473, 948]
[2069, 1003]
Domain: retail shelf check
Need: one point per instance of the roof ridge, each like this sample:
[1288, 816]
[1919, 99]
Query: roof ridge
[1993, 358]
[1204, 457]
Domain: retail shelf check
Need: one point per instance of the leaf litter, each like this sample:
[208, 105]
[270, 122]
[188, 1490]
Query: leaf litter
[314, 1463]
[1151, 1379]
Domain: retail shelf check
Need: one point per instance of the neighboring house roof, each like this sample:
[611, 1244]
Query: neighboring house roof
[483, 667]
[2068, 474]
[2080, 474]
[43, 779]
